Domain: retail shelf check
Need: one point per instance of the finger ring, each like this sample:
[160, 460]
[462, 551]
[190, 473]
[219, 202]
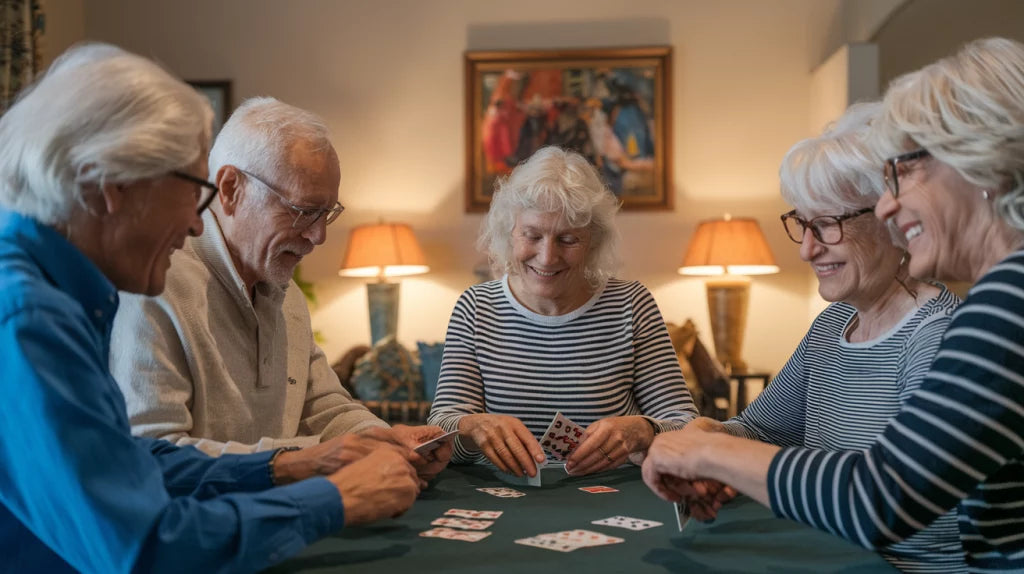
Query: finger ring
[605, 454]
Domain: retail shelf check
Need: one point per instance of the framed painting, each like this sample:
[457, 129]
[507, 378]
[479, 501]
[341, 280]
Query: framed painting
[219, 94]
[613, 106]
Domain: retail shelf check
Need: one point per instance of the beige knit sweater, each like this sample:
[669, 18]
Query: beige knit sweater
[204, 365]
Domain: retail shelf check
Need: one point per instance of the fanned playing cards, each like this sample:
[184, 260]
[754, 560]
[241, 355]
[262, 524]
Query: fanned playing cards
[562, 437]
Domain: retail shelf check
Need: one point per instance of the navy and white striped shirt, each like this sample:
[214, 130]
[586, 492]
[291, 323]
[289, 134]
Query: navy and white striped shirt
[958, 441]
[837, 395]
[611, 357]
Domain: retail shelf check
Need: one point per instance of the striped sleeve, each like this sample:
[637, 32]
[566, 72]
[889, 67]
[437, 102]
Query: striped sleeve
[460, 387]
[958, 439]
[778, 414]
[659, 385]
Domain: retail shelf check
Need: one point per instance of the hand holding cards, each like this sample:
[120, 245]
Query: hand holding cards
[431, 445]
[562, 437]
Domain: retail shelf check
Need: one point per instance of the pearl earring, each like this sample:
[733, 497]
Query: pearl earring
[984, 194]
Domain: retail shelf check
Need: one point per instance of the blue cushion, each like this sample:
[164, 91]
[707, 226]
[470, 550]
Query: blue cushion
[387, 373]
[430, 366]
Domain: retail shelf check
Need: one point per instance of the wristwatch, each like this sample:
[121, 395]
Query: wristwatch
[273, 459]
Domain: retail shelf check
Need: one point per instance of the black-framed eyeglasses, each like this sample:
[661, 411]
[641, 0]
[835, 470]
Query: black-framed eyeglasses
[207, 190]
[304, 216]
[892, 168]
[827, 229]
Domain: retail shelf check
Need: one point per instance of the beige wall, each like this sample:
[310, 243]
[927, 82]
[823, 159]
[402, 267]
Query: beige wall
[387, 76]
[923, 31]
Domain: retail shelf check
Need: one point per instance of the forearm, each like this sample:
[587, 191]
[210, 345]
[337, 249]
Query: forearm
[740, 463]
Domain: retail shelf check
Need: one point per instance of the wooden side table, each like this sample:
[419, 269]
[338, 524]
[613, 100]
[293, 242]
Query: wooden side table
[737, 405]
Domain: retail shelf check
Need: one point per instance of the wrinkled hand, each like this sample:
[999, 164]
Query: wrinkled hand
[608, 443]
[325, 458]
[380, 485]
[672, 471]
[504, 440]
[707, 424]
[427, 466]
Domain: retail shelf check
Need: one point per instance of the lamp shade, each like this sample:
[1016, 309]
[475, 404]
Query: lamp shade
[383, 250]
[734, 246]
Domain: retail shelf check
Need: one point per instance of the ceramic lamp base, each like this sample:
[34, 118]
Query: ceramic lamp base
[727, 306]
[383, 300]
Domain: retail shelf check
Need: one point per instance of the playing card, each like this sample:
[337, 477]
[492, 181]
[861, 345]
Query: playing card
[581, 538]
[502, 492]
[598, 489]
[682, 511]
[463, 523]
[484, 514]
[627, 522]
[548, 544]
[562, 437]
[449, 534]
[429, 446]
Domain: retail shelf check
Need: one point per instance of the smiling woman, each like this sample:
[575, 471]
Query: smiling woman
[557, 333]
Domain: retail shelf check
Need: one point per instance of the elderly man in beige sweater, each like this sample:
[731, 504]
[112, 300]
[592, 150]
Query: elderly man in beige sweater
[225, 359]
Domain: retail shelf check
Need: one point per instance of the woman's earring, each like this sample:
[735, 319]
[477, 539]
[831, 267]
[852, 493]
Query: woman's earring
[984, 194]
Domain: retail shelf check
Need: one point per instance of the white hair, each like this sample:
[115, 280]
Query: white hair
[967, 110]
[99, 115]
[554, 180]
[260, 133]
[838, 171]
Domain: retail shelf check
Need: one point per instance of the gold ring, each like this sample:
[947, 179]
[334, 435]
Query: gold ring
[605, 454]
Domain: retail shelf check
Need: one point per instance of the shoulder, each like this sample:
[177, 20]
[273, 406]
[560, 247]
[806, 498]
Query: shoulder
[626, 291]
[24, 290]
[832, 319]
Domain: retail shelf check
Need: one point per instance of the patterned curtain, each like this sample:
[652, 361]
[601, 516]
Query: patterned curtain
[21, 27]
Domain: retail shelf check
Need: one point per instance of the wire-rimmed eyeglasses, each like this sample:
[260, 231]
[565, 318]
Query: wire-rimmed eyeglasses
[304, 216]
[826, 229]
[892, 172]
[207, 190]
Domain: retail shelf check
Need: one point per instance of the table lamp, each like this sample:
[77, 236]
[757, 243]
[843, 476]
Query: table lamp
[728, 249]
[382, 250]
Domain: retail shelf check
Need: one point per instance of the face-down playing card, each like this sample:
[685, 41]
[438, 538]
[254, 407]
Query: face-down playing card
[562, 437]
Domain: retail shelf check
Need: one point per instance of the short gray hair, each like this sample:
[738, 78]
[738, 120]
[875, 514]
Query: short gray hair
[837, 171]
[967, 110]
[554, 180]
[99, 115]
[260, 133]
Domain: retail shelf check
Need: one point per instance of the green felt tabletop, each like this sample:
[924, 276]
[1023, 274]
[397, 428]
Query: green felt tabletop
[744, 538]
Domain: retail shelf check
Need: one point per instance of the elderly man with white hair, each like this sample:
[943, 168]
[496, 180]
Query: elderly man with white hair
[225, 359]
[100, 182]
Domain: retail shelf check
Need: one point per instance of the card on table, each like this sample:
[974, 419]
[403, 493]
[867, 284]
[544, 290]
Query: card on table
[562, 437]
[483, 514]
[598, 489]
[462, 523]
[569, 540]
[502, 492]
[425, 448]
[451, 534]
[627, 522]
[682, 511]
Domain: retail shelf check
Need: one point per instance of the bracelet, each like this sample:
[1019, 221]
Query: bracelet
[654, 426]
[273, 459]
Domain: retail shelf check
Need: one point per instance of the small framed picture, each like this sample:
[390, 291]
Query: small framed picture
[219, 94]
[613, 106]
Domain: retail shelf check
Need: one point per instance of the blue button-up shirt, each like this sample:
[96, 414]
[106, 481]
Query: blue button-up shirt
[77, 491]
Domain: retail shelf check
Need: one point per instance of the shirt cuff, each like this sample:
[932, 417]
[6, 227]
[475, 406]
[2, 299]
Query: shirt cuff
[320, 505]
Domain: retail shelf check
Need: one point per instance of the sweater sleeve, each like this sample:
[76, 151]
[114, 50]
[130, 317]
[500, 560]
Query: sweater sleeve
[963, 426]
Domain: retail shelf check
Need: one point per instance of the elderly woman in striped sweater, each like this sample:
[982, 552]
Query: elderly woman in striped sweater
[557, 332]
[954, 136]
[871, 348]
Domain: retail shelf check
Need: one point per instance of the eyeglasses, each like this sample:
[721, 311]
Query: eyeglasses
[304, 216]
[892, 168]
[207, 191]
[827, 229]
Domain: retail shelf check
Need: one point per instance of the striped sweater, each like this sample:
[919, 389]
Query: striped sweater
[611, 357]
[837, 395]
[958, 441]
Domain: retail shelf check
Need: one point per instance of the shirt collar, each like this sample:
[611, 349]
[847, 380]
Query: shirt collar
[64, 265]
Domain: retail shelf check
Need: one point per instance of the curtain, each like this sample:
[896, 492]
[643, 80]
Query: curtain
[21, 27]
